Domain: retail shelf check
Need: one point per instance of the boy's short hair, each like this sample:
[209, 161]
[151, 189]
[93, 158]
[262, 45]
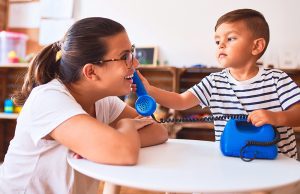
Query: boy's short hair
[253, 19]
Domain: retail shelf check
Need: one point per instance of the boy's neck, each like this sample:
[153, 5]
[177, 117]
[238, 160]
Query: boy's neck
[242, 74]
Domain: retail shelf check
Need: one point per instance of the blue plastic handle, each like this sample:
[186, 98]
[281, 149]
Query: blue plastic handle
[139, 85]
[145, 105]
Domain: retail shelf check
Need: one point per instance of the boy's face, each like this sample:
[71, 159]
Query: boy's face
[234, 44]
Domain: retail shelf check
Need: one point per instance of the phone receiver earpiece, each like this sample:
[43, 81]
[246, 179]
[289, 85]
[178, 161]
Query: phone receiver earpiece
[145, 105]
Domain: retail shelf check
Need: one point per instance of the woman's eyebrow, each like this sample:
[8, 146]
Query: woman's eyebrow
[124, 51]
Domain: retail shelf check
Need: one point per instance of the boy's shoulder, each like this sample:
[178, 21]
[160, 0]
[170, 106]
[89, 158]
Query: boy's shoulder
[273, 71]
[218, 74]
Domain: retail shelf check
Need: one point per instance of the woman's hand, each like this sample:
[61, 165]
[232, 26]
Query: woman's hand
[134, 123]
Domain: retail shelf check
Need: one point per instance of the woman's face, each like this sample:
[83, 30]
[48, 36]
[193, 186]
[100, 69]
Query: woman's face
[116, 76]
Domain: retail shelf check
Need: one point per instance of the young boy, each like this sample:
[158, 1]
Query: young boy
[267, 96]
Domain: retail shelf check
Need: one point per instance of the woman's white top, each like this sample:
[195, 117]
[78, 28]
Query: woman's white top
[33, 165]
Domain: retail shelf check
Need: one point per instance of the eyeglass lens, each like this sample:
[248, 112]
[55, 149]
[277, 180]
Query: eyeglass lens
[129, 59]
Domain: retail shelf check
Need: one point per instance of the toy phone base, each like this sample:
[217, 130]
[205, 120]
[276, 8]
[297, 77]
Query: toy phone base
[257, 152]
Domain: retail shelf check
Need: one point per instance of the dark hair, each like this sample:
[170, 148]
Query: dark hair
[83, 43]
[253, 19]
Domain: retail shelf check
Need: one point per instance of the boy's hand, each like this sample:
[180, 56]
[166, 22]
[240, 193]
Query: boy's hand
[144, 81]
[261, 117]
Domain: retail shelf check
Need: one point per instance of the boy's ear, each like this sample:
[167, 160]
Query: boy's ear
[89, 71]
[258, 46]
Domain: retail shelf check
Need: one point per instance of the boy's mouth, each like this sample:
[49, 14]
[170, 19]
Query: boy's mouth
[222, 55]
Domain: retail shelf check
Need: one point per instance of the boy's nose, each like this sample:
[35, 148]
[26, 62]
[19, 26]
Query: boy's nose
[221, 45]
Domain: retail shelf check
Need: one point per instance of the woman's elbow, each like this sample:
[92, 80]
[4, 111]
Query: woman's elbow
[164, 135]
[129, 155]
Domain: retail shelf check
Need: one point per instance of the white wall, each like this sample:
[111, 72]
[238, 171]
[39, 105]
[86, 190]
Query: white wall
[184, 29]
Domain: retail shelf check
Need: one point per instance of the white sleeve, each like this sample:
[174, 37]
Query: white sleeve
[109, 108]
[49, 108]
[116, 108]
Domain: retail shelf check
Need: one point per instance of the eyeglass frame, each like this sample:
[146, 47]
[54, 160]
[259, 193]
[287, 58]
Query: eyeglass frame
[129, 66]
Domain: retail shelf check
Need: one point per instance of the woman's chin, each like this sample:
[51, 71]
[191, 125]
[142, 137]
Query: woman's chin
[126, 92]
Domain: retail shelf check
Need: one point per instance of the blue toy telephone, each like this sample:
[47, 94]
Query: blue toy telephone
[239, 138]
[242, 139]
[145, 105]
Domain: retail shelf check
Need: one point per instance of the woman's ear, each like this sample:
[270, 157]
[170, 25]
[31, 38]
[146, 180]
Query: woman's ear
[258, 46]
[89, 71]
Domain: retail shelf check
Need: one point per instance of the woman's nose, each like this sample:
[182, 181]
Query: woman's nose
[136, 63]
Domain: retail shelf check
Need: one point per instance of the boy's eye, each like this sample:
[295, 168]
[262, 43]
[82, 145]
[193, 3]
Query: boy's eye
[217, 42]
[231, 39]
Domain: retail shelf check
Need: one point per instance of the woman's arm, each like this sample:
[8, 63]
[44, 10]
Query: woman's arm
[149, 135]
[99, 142]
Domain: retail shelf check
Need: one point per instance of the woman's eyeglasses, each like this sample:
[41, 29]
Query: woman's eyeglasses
[127, 57]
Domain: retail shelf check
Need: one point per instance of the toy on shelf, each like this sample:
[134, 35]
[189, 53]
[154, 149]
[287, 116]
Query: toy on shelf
[12, 47]
[8, 106]
[12, 57]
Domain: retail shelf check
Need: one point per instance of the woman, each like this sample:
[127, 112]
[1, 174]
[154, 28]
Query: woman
[69, 103]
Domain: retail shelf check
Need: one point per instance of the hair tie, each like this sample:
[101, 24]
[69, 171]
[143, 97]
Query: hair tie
[58, 55]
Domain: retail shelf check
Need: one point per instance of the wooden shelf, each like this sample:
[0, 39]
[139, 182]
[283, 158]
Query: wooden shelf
[8, 115]
[197, 125]
[14, 65]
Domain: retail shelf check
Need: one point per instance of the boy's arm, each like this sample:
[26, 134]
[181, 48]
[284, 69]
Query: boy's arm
[168, 99]
[289, 117]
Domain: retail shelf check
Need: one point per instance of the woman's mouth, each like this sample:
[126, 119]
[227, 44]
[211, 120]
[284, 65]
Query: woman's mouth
[129, 77]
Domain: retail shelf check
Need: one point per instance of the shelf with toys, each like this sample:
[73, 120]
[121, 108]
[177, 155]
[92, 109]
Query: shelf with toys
[11, 78]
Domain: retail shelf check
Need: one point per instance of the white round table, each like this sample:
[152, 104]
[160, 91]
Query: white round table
[194, 166]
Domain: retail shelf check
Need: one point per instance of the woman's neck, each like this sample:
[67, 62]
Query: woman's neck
[85, 96]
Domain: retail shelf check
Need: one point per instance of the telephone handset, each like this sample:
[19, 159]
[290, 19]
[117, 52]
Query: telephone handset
[145, 105]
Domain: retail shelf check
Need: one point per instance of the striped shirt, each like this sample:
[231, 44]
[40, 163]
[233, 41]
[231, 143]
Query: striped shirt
[270, 89]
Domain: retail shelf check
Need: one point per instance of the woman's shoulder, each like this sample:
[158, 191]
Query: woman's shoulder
[52, 87]
[51, 92]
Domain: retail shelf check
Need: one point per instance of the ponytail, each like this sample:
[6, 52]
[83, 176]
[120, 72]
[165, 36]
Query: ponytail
[42, 69]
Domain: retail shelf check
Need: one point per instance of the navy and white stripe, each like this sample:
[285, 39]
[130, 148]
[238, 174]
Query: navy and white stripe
[270, 89]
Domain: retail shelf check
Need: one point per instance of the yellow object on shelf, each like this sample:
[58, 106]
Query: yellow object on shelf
[17, 109]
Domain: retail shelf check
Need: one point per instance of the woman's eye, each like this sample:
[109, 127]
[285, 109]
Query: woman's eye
[125, 57]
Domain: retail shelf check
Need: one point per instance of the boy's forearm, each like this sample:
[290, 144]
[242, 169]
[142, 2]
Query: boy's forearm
[289, 117]
[167, 99]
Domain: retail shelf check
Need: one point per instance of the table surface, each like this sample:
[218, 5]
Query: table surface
[194, 166]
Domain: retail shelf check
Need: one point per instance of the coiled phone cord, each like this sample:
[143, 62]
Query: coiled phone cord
[204, 119]
[259, 143]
